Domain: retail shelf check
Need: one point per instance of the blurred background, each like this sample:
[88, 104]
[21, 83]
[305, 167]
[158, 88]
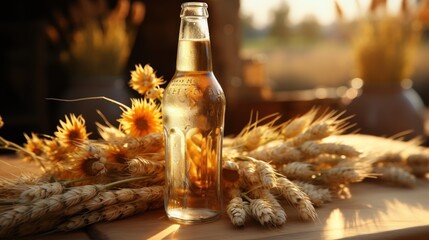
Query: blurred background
[270, 56]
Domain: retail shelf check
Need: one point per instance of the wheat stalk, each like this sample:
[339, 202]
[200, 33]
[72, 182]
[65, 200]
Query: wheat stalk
[150, 143]
[280, 154]
[105, 198]
[237, 211]
[41, 191]
[43, 207]
[258, 171]
[297, 170]
[419, 164]
[298, 125]
[314, 149]
[338, 175]
[318, 195]
[140, 166]
[396, 175]
[280, 216]
[261, 210]
[109, 213]
[297, 198]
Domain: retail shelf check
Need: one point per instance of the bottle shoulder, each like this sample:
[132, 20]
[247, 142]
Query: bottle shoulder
[202, 74]
[184, 83]
[201, 78]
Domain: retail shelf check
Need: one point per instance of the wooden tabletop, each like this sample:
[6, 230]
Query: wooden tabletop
[374, 211]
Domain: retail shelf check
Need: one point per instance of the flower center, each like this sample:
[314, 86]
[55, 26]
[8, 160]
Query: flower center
[142, 123]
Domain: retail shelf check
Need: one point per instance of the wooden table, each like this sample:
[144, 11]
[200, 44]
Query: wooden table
[375, 211]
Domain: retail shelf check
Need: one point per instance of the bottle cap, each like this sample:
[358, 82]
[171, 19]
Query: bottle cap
[194, 10]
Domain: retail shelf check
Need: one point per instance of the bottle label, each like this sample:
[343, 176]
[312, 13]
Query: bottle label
[190, 86]
[183, 86]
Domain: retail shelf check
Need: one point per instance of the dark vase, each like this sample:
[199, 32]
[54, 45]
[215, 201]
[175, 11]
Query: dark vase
[388, 110]
[113, 87]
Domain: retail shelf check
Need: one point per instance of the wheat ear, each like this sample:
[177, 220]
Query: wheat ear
[106, 198]
[153, 142]
[236, 211]
[261, 210]
[396, 175]
[297, 198]
[298, 170]
[419, 164]
[108, 213]
[283, 153]
[41, 191]
[43, 207]
[318, 195]
[140, 166]
[280, 216]
[248, 174]
[341, 175]
[298, 125]
[314, 149]
[262, 170]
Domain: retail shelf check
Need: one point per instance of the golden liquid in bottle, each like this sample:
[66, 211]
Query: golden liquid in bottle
[193, 115]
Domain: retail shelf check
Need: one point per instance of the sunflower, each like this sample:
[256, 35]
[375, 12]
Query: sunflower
[34, 145]
[142, 118]
[72, 132]
[144, 79]
[55, 151]
[116, 158]
[82, 165]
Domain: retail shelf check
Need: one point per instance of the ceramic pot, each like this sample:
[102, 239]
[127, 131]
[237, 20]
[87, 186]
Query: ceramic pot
[388, 110]
[113, 87]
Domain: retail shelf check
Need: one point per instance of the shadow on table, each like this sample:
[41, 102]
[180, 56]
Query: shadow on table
[383, 212]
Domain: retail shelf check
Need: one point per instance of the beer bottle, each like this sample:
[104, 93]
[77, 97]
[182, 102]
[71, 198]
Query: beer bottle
[193, 117]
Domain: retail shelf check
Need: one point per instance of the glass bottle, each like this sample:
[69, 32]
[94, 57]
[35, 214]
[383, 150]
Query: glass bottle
[193, 117]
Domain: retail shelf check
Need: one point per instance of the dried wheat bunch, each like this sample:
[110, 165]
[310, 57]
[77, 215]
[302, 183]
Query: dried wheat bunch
[76, 207]
[296, 149]
[250, 184]
[394, 161]
[303, 162]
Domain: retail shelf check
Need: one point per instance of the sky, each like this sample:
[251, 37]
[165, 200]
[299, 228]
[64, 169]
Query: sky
[323, 10]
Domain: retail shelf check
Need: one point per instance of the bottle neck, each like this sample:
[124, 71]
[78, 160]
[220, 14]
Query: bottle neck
[194, 50]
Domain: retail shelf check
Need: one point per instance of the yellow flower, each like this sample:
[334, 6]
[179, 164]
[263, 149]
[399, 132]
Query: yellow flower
[72, 132]
[116, 158]
[55, 151]
[142, 118]
[156, 93]
[81, 165]
[34, 145]
[144, 79]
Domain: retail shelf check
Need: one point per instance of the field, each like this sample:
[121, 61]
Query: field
[298, 65]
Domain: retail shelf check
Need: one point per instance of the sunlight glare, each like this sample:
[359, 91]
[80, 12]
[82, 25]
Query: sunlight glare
[164, 233]
[390, 215]
[335, 225]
